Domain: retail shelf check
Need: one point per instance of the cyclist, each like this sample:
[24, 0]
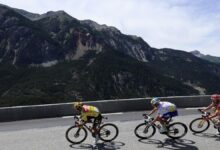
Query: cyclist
[216, 105]
[87, 113]
[165, 111]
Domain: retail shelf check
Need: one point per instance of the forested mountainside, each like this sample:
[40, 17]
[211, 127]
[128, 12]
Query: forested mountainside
[54, 57]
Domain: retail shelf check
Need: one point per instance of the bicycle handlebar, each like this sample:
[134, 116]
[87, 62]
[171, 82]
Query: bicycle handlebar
[146, 116]
[76, 117]
[205, 113]
[200, 110]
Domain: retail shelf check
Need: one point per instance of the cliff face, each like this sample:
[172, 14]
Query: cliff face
[54, 57]
[24, 42]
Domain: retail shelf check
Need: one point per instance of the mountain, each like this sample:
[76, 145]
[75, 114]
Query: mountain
[197, 53]
[207, 57]
[53, 57]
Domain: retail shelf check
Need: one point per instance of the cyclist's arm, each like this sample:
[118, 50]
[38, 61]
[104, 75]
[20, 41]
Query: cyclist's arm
[83, 120]
[153, 111]
[208, 107]
[156, 119]
[213, 115]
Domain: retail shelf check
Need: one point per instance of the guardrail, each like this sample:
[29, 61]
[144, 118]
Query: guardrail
[105, 106]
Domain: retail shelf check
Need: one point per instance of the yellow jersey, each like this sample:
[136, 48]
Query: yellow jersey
[89, 111]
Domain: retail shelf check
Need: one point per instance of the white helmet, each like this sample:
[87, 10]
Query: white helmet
[155, 101]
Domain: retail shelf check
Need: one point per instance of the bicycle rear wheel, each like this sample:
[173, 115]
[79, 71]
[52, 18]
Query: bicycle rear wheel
[76, 135]
[143, 131]
[199, 125]
[177, 130]
[108, 132]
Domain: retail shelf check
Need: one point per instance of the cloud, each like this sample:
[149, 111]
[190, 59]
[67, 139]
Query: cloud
[178, 24]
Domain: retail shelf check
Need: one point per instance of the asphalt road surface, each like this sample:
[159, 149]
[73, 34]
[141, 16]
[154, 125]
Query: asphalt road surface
[49, 134]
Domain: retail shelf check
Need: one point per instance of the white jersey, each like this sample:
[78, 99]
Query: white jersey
[165, 107]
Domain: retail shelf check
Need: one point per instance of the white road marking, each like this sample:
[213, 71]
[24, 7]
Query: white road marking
[65, 117]
[194, 108]
[107, 114]
[119, 113]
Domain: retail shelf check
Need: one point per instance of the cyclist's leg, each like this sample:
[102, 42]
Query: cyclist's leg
[163, 128]
[164, 119]
[218, 113]
[96, 125]
[218, 124]
[218, 117]
[97, 121]
[89, 119]
[161, 119]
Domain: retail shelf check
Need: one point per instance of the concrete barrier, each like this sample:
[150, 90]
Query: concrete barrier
[105, 106]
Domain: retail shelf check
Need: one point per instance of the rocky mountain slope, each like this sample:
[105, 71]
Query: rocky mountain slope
[54, 57]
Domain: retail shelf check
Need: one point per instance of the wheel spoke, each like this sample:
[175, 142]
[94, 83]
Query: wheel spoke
[104, 132]
[143, 131]
[76, 135]
[177, 130]
[199, 125]
[108, 132]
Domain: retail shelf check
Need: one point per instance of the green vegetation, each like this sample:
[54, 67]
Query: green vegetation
[111, 75]
[212, 59]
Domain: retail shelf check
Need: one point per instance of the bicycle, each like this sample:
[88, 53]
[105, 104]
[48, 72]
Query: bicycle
[76, 135]
[147, 129]
[201, 124]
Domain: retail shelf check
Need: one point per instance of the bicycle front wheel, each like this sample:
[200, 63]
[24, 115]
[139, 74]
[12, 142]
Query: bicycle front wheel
[143, 131]
[199, 125]
[76, 135]
[108, 132]
[177, 130]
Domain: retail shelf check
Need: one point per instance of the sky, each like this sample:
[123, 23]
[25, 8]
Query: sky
[178, 24]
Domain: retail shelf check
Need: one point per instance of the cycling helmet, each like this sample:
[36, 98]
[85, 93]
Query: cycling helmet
[77, 105]
[215, 97]
[155, 101]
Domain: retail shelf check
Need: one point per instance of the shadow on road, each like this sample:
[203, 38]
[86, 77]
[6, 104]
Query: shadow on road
[99, 146]
[208, 135]
[179, 144]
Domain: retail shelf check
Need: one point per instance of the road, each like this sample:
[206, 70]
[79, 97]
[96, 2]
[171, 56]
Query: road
[49, 134]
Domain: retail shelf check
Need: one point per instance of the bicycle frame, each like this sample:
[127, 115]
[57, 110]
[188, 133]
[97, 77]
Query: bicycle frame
[101, 130]
[86, 126]
[206, 114]
[149, 119]
[201, 124]
[142, 130]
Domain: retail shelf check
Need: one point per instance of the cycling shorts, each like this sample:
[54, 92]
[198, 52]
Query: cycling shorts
[170, 115]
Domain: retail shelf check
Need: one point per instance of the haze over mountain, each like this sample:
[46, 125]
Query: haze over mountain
[206, 57]
[54, 57]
